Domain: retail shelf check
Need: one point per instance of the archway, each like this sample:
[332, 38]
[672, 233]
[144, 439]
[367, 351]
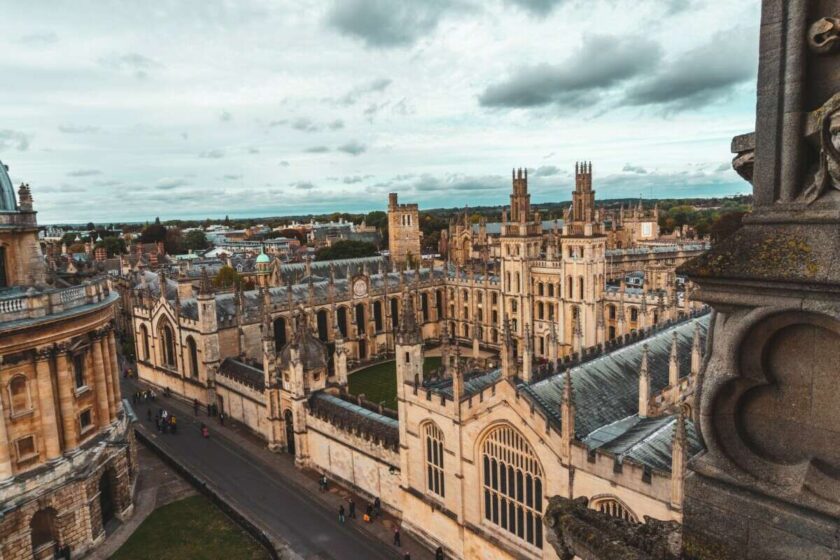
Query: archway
[362, 349]
[290, 432]
[323, 325]
[107, 506]
[44, 533]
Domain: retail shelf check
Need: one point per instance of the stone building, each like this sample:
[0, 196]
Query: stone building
[67, 457]
[515, 335]
[403, 231]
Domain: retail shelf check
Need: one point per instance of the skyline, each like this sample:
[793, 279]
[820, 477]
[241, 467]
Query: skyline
[255, 109]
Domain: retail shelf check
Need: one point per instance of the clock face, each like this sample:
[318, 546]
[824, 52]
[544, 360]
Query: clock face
[359, 288]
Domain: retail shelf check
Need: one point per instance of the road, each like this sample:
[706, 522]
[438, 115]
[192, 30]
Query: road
[280, 504]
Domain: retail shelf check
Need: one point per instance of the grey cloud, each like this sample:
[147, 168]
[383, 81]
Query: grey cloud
[546, 171]
[316, 150]
[376, 86]
[353, 147]
[253, 150]
[305, 124]
[212, 154]
[427, 183]
[385, 24]
[628, 168]
[78, 129]
[601, 63]
[703, 75]
[169, 184]
[303, 185]
[107, 183]
[723, 167]
[279, 122]
[284, 163]
[337, 124]
[131, 63]
[537, 7]
[12, 139]
[84, 173]
[232, 177]
[225, 116]
[38, 39]
[351, 180]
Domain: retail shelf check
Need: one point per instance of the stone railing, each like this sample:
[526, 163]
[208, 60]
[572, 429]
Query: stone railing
[36, 304]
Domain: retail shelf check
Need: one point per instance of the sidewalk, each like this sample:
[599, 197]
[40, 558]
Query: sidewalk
[281, 465]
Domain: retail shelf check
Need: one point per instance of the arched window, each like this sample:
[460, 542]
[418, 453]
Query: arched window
[342, 321]
[43, 532]
[634, 314]
[551, 290]
[19, 395]
[377, 316]
[395, 313]
[512, 483]
[424, 306]
[569, 287]
[168, 348]
[615, 508]
[434, 459]
[192, 350]
[580, 286]
[540, 310]
[361, 318]
[279, 333]
[144, 337]
[323, 325]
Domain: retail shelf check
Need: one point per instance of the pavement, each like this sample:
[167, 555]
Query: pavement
[282, 500]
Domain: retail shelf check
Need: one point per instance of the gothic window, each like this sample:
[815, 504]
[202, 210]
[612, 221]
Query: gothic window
[192, 350]
[516, 277]
[466, 316]
[360, 318]
[613, 507]
[494, 299]
[19, 396]
[439, 303]
[279, 333]
[514, 306]
[466, 331]
[580, 287]
[377, 316]
[479, 297]
[395, 313]
[540, 310]
[569, 287]
[612, 311]
[495, 317]
[434, 459]
[582, 252]
[79, 370]
[512, 483]
[550, 311]
[168, 349]
[507, 281]
[424, 306]
[342, 321]
[480, 314]
[466, 296]
[634, 314]
[551, 290]
[323, 325]
[144, 336]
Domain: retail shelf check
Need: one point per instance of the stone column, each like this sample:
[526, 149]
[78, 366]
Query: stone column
[106, 372]
[100, 386]
[115, 372]
[66, 401]
[5, 450]
[46, 402]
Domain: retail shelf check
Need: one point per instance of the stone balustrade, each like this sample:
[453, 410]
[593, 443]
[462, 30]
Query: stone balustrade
[17, 305]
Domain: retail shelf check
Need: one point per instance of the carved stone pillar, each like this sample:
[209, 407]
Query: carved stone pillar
[103, 408]
[5, 449]
[768, 409]
[46, 404]
[115, 372]
[106, 373]
[66, 402]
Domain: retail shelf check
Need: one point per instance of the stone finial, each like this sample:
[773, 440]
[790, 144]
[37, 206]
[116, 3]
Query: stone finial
[696, 351]
[205, 286]
[644, 384]
[25, 198]
[679, 457]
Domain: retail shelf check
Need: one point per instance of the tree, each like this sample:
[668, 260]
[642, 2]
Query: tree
[113, 245]
[195, 240]
[153, 233]
[173, 241]
[345, 249]
[226, 278]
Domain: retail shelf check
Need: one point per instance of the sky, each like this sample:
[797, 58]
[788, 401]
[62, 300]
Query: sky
[127, 110]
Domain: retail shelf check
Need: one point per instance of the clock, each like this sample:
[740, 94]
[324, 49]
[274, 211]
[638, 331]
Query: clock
[360, 287]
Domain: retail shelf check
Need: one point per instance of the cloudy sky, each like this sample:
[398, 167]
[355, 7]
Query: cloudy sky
[126, 110]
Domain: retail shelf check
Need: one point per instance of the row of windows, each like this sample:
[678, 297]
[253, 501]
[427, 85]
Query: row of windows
[168, 354]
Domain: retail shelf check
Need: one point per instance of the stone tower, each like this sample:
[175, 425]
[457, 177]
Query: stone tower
[768, 485]
[403, 231]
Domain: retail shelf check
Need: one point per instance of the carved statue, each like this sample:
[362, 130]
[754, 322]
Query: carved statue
[824, 35]
[823, 131]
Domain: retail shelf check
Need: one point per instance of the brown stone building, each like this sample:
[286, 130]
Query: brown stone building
[403, 230]
[67, 464]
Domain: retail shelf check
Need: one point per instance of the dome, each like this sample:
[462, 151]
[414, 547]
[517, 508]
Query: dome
[7, 192]
[263, 259]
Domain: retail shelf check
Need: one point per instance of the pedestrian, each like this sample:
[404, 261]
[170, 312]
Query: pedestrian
[172, 423]
[439, 554]
[407, 556]
[341, 513]
[352, 508]
[369, 513]
[377, 507]
[397, 536]
[204, 431]
[222, 418]
[195, 407]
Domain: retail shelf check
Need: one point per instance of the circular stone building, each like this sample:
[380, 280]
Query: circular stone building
[67, 454]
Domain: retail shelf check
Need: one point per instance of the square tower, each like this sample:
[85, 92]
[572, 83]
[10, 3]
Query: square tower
[403, 231]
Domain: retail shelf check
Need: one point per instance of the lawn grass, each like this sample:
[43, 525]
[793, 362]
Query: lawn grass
[192, 528]
[379, 382]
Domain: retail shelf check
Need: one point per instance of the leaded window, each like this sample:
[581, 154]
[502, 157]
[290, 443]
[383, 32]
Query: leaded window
[434, 460]
[513, 487]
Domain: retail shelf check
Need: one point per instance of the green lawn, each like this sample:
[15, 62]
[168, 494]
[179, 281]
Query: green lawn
[192, 528]
[379, 383]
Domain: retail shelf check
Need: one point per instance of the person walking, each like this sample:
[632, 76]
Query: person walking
[377, 507]
[439, 554]
[397, 536]
[195, 407]
[352, 508]
[222, 418]
[407, 556]
[341, 513]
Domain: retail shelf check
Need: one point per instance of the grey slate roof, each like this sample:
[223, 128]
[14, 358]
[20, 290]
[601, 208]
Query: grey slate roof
[355, 409]
[243, 373]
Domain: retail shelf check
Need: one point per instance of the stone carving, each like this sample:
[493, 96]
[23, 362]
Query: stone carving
[575, 531]
[777, 418]
[823, 132]
[824, 35]
[743, 163]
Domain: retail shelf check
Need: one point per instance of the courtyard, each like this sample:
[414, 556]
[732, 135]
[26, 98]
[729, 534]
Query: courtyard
[378, 383]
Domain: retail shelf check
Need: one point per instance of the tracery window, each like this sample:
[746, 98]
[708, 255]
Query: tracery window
[193, 352]
[168, 354]
[434, 459]
[512, 482]
[144, 334]
[614, 508]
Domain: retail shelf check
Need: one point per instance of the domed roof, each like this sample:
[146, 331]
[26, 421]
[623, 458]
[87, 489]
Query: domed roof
[312, 352]
[262, 258]
[7, 192]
